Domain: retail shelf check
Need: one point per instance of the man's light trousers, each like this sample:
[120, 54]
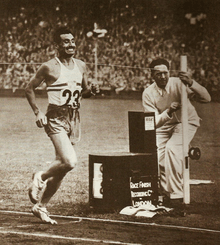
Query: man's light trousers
[170, 158]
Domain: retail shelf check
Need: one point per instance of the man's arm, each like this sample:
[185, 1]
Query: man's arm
[87, 91]
[200, 92]
[160, 118]
[35, 81]
[194, 88]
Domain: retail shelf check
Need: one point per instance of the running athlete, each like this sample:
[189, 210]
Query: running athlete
[66, 83]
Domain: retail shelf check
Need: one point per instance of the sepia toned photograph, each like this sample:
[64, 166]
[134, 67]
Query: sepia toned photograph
[109, 122]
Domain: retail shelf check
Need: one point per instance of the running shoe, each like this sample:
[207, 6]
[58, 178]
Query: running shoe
[42, 213]
[37, 186]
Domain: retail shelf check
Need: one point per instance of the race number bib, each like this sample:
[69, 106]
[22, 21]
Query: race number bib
[71, 96]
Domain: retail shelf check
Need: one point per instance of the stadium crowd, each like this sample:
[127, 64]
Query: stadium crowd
[134, 37]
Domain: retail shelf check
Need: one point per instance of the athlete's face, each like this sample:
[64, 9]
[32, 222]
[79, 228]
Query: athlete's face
[67, 44]
[161, 75]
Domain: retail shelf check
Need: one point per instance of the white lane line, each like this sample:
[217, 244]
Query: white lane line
[43, 235]
[17, 226]
[123, 222]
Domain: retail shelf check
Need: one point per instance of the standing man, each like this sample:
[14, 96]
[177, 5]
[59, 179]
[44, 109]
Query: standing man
[66, 83]
[164, 98]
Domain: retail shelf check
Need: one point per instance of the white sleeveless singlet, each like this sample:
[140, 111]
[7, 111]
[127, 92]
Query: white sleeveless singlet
[66, 90]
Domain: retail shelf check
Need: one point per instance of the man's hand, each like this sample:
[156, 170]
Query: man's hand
[41, 119]
[175, 106]
[95, 88]
[185, 78]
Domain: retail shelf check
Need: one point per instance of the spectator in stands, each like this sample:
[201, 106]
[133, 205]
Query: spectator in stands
[133, 40]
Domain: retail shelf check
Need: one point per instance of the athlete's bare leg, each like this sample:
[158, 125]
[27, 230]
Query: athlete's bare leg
[65, 161]
[65, 153]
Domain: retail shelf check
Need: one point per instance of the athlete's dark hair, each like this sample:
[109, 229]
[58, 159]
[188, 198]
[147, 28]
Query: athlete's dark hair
[159, 61]
[59, 31]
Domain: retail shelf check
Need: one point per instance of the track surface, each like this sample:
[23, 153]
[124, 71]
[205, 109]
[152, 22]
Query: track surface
[24, 229]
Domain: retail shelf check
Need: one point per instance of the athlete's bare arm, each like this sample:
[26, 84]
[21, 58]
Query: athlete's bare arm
[87, 91]
[40, 76]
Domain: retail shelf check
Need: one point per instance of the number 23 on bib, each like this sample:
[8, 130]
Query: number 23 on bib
[71, 96]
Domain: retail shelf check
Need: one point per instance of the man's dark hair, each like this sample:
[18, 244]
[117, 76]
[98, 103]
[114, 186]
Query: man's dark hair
[159, 61]
[59, 31]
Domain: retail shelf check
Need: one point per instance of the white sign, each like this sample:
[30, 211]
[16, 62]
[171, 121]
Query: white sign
[97, 180]
[149, 123]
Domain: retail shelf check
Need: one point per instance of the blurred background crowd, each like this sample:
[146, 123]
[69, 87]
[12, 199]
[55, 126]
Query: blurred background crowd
[137, 32]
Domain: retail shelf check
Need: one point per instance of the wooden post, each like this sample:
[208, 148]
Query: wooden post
[186, 186]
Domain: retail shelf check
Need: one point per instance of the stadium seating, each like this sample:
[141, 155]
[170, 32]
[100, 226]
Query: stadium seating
[135, 36]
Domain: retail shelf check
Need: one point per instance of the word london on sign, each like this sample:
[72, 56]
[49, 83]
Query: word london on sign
[141, 190]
